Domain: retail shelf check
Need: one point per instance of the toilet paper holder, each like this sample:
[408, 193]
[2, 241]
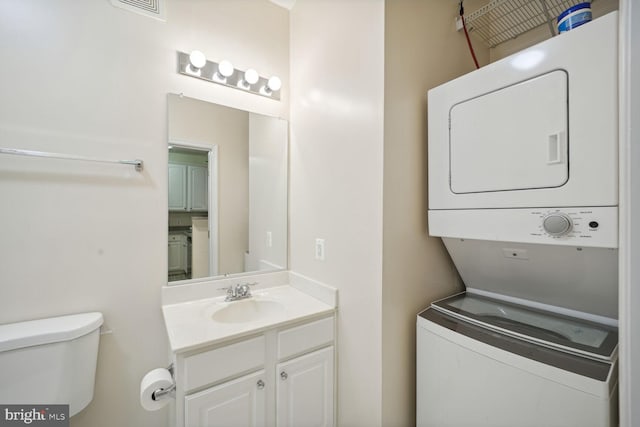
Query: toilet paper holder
[170, 391]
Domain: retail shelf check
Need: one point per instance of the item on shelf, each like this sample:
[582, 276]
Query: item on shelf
[574, 16]
[499, 21]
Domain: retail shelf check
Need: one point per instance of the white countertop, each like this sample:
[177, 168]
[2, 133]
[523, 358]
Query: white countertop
[191, 325]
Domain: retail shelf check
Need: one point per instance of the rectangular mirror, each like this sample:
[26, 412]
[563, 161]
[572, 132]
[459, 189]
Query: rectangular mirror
[227, 191]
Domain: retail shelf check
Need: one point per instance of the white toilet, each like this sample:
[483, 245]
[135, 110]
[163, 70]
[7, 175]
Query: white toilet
[50, 361]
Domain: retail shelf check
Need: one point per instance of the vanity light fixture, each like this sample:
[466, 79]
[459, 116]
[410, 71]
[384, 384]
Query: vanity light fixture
[196, 65]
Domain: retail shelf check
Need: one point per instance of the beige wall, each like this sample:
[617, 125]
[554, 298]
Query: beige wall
[196, 121]
[422, 50]
[86, 78]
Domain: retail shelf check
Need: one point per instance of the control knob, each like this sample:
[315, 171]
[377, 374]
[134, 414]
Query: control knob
[557, 224]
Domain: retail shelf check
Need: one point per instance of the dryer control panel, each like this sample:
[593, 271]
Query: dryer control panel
[571, 226]
[568, 223]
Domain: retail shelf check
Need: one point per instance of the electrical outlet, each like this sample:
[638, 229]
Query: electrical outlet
[320, 249]
[269, 239]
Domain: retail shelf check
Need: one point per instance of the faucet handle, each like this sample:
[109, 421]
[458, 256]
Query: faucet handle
[247, 285]
[244, 289]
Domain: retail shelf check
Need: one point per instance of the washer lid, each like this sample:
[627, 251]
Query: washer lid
[563, 333]
[45, 331]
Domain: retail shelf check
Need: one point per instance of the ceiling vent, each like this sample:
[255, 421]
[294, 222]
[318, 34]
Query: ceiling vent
[153, 8]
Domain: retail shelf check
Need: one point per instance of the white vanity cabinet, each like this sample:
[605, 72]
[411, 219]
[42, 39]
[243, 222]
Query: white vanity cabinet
[279, 377]
[188, 188]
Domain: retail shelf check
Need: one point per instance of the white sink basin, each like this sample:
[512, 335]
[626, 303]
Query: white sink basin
[199, 323]
[248, 310]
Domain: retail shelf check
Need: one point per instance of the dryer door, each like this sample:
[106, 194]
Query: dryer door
[514, 138]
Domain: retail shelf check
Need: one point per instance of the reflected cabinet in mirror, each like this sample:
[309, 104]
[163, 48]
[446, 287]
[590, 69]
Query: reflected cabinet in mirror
[227, 191]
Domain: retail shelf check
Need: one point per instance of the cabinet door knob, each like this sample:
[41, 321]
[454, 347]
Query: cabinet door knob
[283, 375]
[260, 384]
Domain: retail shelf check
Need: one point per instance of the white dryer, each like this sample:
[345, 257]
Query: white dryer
[523, 191]
[537, 129]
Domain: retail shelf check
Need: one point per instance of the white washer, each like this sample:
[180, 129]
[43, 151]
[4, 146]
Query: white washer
[480, 372]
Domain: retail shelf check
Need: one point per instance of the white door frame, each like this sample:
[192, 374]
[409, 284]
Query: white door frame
[629, 143]
[212, 188]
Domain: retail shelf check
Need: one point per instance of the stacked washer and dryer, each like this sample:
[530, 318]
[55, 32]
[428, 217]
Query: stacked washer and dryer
[523, 191]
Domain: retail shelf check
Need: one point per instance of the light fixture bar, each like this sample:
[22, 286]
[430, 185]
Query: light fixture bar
[232, 77]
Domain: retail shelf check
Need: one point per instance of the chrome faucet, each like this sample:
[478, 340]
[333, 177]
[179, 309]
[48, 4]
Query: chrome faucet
[239, 291]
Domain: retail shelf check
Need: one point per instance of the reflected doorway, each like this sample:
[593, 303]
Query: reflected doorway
[192, 243]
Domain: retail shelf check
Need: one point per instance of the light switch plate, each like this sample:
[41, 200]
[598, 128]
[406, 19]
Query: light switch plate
[320, 249]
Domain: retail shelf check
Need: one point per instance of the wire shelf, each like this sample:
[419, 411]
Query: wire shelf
[502, 20]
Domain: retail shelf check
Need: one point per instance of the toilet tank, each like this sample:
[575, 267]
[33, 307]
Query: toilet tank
[50, 361]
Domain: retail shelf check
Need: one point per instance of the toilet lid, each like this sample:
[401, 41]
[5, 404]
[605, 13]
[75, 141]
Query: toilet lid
[46, 331]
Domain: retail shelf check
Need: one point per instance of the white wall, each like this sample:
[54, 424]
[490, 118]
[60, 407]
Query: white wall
[90, 79]
[337, 84]
[268, 185]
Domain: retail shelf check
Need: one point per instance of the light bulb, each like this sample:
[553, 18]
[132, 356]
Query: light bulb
[225, 68]
[197, 59]
[251, 76]
[274, 83]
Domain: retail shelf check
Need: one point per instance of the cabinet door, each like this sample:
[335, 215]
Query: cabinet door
[237, 403]
[177, 187]
[305, 390]
[198, 188]
[177, 255]
[200, 248]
